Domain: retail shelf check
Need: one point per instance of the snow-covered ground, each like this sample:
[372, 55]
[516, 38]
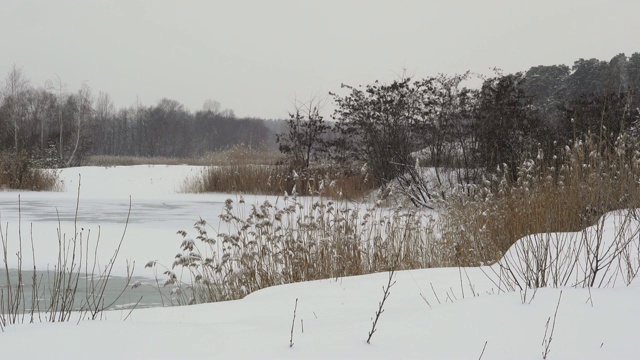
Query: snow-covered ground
[430, 314]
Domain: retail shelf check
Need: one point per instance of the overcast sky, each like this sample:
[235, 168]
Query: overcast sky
[257, 56]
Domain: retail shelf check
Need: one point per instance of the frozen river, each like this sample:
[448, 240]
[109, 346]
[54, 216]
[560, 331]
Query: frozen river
[158, 211]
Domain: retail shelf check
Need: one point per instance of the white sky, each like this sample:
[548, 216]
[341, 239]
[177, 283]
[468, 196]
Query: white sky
[257, 56]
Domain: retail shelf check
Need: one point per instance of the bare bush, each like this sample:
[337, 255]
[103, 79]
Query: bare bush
[55, 294]
[578, 259]
[18, 171]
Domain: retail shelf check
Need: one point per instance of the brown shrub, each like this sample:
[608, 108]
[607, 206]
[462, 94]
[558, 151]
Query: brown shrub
[17, 171]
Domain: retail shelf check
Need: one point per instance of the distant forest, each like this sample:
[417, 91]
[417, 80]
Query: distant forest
[547, 103]
[63, 126]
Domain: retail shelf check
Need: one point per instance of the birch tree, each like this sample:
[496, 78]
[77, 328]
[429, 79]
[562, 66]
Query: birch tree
[84, 112]
[15, 87]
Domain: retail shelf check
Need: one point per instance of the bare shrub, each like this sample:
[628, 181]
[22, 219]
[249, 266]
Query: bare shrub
[55, 293]
[386, 291]
[585, 258]
[18, 171]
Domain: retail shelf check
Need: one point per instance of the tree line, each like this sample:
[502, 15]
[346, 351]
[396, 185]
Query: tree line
[60, 127]
[441, 122]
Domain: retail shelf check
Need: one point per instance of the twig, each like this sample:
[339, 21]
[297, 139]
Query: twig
[535, 291]
[386, 293]
[461, 286]
[96, 301]
[293, 322]
[546, 342]
[473, 292]
[590, 299]
[419, 288]
[434, 293]
[483, 348]
[425, 300]
[453, 294]
[133, 308]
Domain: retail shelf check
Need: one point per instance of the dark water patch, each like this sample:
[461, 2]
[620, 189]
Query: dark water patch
[118, 294]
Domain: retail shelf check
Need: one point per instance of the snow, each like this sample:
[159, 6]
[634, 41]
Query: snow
[430, 313]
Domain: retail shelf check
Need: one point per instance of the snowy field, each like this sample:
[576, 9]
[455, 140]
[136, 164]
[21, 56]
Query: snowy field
[430, 314]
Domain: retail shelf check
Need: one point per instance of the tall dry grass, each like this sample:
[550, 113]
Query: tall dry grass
[239, 154]
[246, 170]
[297, 239]
[586, 181]
[279, 180]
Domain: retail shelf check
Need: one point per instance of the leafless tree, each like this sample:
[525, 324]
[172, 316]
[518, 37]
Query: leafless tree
[304, 139]
[83, 115]
[211, 105]
[15, 87]
[61, 89]
[40, 108]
